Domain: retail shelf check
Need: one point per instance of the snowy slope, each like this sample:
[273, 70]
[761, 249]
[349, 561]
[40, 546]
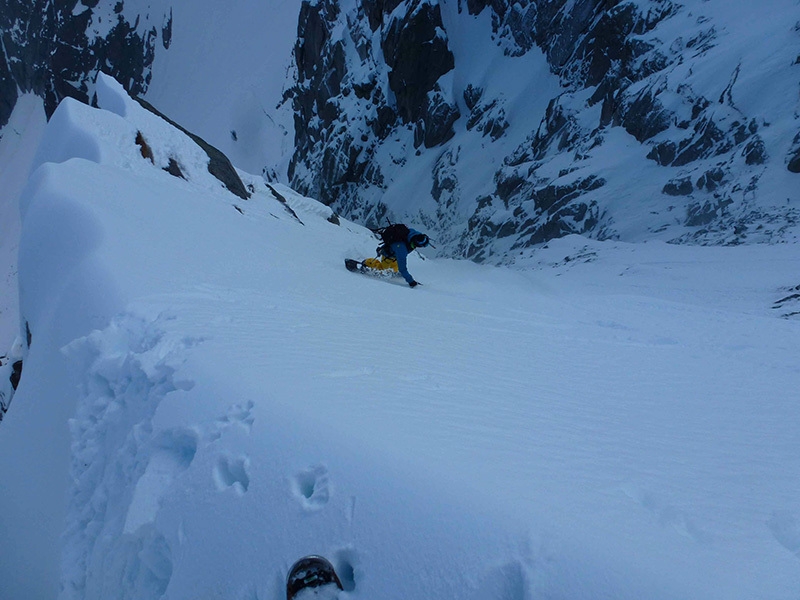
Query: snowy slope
[223, 76]
[214, 395]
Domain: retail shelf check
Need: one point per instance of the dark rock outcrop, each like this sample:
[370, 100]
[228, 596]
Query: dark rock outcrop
[794, 156]
[417, 55]
[437, 119]
[679, 187]
[218, 164]
[16, 374]
[174, 169]
[50, 51]
[488, 117]
[330, 160]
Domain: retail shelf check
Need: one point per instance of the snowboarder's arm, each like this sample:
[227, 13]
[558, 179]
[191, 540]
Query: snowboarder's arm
[401, 254]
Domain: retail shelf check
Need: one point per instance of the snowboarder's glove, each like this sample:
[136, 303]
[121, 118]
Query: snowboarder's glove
[413, 284]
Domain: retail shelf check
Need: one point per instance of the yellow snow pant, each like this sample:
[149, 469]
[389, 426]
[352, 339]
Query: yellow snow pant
[381, 263]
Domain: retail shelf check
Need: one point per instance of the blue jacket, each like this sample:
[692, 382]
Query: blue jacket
[400, 250]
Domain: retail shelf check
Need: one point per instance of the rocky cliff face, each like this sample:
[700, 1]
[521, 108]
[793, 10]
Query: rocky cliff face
[54, 48]
[360, 77]
[648, 118]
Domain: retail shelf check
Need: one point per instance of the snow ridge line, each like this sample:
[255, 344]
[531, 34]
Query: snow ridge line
[129, 368]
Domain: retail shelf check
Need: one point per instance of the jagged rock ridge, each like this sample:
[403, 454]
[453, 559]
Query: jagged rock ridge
[379, 91]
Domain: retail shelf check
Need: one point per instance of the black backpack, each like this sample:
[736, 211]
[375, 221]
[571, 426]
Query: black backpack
[396, 232]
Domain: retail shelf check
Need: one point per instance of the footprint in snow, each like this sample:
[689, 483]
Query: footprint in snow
[239, 415]
[507, 582]
[312, 487]
[345, 561]
[171, 452]
[786, 530]
[667, 515]
[231, 472]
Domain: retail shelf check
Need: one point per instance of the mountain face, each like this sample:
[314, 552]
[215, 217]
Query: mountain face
[641, 119]
[55, 48]
[494, 125]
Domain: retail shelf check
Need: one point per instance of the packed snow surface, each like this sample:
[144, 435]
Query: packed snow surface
[209, 395]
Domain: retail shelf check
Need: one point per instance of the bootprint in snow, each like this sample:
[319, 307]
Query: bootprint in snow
[312, 578]
[397, 241]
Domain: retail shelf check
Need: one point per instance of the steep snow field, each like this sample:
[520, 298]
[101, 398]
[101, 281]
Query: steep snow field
[224, 73]
[17, 147]
[209, 395]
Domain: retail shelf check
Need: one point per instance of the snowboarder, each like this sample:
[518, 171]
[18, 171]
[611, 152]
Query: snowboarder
[398, 241]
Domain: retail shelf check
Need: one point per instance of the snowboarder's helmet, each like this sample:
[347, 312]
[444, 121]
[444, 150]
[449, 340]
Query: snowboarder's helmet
[420, 240]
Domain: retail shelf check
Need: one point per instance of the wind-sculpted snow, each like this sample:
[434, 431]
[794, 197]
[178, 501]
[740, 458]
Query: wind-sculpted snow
[18, 145]
[213, 395]
[121, 465]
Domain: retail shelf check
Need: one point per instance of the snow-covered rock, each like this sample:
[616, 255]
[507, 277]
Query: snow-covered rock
[640, 119]
[55, 48]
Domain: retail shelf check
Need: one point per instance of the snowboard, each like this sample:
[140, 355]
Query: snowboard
[356, 266]
[312, 578]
